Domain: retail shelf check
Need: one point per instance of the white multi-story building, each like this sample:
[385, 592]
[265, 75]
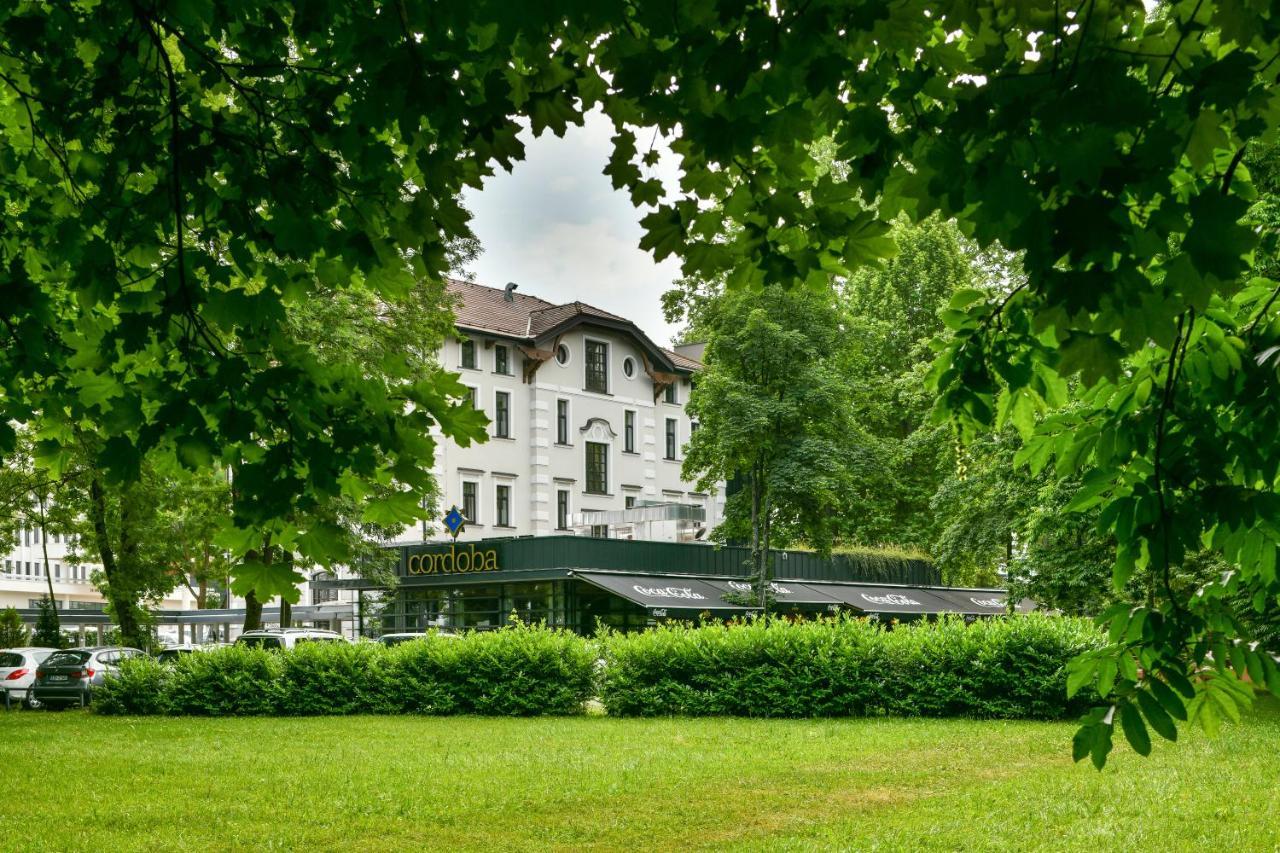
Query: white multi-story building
[587, 424]
[586, 436]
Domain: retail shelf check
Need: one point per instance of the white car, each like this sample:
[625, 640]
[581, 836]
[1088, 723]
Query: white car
[288, 638]
[18, 671]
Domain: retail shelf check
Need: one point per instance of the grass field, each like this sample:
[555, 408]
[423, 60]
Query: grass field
[78, 782]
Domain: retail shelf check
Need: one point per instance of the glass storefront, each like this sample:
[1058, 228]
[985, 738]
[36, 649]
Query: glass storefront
[571, 604]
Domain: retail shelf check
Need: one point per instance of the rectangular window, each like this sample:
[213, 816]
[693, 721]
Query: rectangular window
[598, 367]
[562, 421]
[597, 468]
[630, 501]
[562, 509]
[671, 438]
[470, 504]
[600, 531]
[502, 505]
[469, 353]
[693, 427]
[629, 431]
[673, 393]
[502, 414]
[501, 360]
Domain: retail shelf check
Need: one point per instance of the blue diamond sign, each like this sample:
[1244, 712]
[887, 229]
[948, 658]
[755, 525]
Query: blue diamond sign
[454, 521]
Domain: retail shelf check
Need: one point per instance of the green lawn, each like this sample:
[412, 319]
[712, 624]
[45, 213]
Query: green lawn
[78, 782]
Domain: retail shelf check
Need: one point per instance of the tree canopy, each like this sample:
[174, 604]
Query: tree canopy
[175, 175]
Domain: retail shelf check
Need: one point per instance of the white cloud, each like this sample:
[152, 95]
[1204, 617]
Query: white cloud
[556, 227]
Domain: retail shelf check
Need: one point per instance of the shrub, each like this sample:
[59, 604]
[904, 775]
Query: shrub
[519, 671]
[143, 686]
[1013, 667]
[235, 681]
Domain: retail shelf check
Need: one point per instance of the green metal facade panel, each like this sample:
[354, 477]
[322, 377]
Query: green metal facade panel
[547, 556]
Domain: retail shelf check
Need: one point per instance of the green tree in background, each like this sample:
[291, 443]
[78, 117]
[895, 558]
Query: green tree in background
[48, 633]
[772, 407]
[12, 632]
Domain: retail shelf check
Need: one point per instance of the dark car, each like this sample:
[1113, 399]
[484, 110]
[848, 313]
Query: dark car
[68, 677]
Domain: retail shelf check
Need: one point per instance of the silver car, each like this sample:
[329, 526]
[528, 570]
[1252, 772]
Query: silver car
[278, 639]
[68, 677]
[18, 672]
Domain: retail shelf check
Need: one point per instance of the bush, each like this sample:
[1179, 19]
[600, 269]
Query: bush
[519, 671]
[143, 686]
[1012, 667]
[234, 681]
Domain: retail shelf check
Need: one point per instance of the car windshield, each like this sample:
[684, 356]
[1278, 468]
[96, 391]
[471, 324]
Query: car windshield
[10, 659]
[66, 659]
[261, 642]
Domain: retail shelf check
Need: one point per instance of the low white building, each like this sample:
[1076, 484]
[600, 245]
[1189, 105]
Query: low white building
[23, 583]
[587, 424]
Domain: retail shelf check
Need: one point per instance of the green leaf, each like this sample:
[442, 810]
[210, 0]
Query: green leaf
[1135, 730]
[1157, 716]
[1080, 672]
[267, 581]
[1167, 698]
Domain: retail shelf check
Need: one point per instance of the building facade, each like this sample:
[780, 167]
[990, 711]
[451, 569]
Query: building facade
[587, 429]
[23, 582]
[587, 425]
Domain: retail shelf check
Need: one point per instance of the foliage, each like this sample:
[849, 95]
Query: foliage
[771, 413]
[176, 181]
[231, 681]
[12, 632]
[142, 686]
[518, 671]
[1013, 667]
[48, 633]
[173, 179]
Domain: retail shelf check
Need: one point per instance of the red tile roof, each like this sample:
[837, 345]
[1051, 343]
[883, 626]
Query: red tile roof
[478, 308]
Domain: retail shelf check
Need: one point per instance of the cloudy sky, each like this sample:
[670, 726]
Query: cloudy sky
[557, 228]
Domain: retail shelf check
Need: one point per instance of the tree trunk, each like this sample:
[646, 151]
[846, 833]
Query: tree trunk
[766, 565]
[48, 578]
[252, 612]
[121, 603]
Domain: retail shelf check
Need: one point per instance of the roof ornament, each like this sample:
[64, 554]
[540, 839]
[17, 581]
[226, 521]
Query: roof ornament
[509, 292]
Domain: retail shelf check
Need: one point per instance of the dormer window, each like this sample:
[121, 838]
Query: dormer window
[597, 378]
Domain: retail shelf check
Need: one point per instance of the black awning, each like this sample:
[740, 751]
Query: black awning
[974, 602]
[885, 599]
[662, 591]
[784, 592]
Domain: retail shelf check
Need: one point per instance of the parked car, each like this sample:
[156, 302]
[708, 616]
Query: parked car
[18, 672]
[170, 654]
[287, 638]
[68, 677]
[409, 636]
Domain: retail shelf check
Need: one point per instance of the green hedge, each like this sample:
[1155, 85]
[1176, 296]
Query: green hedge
[1013, 667]
[520, 671]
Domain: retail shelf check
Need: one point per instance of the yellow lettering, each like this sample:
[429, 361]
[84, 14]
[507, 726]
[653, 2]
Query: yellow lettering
[491, 561]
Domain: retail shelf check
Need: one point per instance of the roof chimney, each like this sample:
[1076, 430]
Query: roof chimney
[509, 292]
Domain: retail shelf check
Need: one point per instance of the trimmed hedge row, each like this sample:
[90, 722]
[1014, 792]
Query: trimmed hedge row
[521, 671]
[1011, 667]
